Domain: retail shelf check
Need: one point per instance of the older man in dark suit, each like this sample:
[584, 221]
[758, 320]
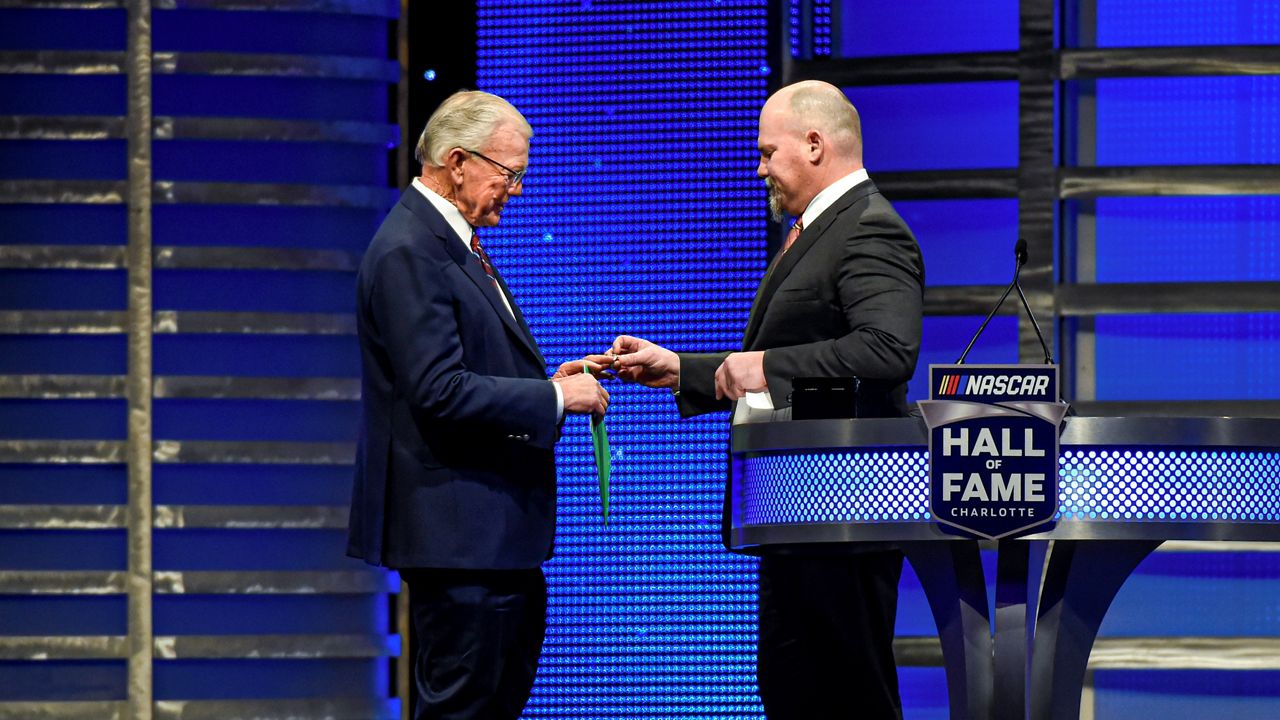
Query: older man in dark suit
[455, 471]
[843, 298]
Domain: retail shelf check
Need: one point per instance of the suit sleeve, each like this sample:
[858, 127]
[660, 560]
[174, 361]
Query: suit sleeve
[412, 308]
[697, 394]
[880, 286]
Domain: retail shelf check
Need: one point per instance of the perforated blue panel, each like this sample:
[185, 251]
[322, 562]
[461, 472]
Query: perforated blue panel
[875, 486]
[641, 214]
[889, 486]
[1169, 485]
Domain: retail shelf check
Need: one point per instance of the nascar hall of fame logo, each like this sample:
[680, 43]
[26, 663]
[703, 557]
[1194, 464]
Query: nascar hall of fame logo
[993, 447]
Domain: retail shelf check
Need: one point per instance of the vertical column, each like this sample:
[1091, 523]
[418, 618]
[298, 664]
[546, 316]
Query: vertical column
[1037, 167]
[138, 383]
[1079, 221]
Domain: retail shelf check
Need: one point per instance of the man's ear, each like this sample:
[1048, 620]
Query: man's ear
[816, 145]
[453, 163]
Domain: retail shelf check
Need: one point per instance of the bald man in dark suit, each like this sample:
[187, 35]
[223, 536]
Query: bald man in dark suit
[843, 298]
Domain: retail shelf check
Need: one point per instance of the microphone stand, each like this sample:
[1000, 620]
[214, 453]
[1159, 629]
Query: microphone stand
[1020, 257]
[1048, 356]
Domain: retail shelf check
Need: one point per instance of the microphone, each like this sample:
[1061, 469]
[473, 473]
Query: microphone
[1020, 259]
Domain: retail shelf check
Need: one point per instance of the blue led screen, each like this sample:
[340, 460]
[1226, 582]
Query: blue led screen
[1188, 357]
[641, 214]
[869, 28]
[37, 289]
[1131, 23]
[938, 126]
[1188, 239]
[945, 337]
[1188, 121]
[964, 242]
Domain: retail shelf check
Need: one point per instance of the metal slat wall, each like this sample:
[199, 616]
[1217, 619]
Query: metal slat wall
[185, 188]
[1222, 621]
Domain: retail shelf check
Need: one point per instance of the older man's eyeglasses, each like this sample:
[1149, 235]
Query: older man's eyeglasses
[513, 177]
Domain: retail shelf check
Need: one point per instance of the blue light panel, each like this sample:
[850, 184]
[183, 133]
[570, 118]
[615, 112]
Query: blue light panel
[945, 337]
[1203, 357]
[641, 214]
[943, 126]
[1201, 239]
[1131, 23]
[964, 242]
[870, 28]
[1189, 121]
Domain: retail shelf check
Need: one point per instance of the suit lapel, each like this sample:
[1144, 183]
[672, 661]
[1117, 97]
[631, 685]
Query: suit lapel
[782, 266]
[521, 323]
[471, 267]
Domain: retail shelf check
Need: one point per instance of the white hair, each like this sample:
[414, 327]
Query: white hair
[466, 119]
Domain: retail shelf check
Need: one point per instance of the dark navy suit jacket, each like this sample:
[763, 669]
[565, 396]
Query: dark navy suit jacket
[455, 466]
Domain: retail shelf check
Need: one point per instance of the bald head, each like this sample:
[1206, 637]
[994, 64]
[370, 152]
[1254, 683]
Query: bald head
[810, 136]
[816, 105]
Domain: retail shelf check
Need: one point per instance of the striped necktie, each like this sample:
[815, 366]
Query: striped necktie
[484, 259]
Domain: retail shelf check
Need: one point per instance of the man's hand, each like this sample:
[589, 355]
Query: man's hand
[739, 374]
[597, 365]
[643, 362]
[583, 394]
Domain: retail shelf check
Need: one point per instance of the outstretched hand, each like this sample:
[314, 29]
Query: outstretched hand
[597, 366]
[641, 361]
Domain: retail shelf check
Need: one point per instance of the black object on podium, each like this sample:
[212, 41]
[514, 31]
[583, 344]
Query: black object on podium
[816, 398]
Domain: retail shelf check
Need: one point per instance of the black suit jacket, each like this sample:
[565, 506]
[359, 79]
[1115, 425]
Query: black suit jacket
[455, 466]
[845, 301]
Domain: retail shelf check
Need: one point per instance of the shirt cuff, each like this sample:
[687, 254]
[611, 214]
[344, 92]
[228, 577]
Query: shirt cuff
[559, 402]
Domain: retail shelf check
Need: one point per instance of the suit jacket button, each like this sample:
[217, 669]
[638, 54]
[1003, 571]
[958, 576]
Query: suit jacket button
[524, 438]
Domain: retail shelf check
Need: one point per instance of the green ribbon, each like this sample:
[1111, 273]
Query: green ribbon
[600, 445]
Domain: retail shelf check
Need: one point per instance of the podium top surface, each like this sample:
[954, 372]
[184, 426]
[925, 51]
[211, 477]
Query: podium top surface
[866, 480]
[1091, 431]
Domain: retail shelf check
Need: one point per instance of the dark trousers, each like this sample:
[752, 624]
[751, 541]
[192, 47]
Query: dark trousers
[479, 634]
[826, 636]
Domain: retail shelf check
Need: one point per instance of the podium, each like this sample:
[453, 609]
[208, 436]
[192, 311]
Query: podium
[1126, 484]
